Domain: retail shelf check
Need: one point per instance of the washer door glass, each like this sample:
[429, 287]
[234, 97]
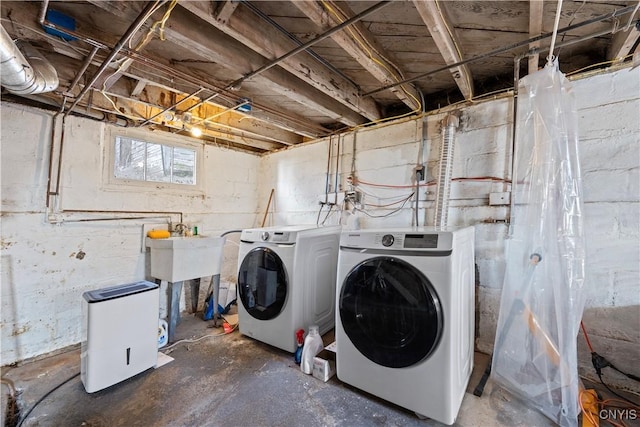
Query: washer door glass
[262, 283]
[391, 312]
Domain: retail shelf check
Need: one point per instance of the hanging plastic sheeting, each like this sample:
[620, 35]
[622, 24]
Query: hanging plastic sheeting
[535, 353]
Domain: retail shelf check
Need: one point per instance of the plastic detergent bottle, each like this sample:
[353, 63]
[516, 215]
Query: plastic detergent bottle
[312, 346]
[300, 341]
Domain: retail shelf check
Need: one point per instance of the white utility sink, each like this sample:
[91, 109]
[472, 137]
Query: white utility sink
[175, 259]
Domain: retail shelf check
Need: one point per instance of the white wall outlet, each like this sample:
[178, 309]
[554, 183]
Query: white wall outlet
[148, 227]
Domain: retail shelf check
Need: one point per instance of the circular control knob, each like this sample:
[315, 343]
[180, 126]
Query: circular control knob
[264, 235]
[387, 240]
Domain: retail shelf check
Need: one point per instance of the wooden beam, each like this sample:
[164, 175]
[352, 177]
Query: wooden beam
[269, 42]
[434, 16]
[358, 42]
[230, 126]
[137, 108]
[622, 42]
[107, 80]
[287, 127]
[200, 38]
[225, 10]
[138, 88]
[192, 33]
[536, 8]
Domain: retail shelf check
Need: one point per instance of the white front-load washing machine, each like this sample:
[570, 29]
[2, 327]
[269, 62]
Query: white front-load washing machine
[405, 316]
[286, 282]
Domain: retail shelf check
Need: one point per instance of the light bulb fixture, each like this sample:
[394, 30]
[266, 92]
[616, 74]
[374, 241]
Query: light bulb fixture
[196, 131]
[168, 116]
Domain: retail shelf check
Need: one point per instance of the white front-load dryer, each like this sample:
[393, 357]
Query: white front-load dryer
[405, 316]
[286, 282]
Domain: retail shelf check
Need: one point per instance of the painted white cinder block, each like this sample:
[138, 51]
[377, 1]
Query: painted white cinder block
[46, 267]
[612, 88]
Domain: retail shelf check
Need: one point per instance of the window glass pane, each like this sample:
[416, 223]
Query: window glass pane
[159, 159]
[130, 159]
[148, 161]
[184, 166]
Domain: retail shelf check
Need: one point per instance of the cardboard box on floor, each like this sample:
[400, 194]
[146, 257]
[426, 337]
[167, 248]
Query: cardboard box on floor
[324, 364]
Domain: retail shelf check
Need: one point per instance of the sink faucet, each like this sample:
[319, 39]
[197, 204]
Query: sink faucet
[180, 228]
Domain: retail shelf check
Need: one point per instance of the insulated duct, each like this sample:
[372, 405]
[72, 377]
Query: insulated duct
[23, 69]
[449, 126]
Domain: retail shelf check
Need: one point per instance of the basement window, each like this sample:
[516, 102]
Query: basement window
[140, 160]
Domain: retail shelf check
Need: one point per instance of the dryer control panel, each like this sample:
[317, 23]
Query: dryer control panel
[417, 239]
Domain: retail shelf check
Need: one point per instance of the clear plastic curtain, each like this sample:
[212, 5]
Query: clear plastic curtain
[535, 355]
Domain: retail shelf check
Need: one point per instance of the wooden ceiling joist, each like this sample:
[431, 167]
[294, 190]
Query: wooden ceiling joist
[192, 33]
[622, 43]
[536, 8]
[214, 45]
[268, 41]
[137, 86]
[137, 90]
[225, 10]
[358, 42]
[230, 126]
[442, 32]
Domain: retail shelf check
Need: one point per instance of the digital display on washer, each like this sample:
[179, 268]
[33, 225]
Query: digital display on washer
[421, 241]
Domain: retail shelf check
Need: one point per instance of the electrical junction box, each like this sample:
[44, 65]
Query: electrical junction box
[353, 196]
[499, 199]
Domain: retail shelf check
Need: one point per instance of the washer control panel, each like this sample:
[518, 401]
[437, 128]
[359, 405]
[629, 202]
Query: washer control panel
[268, 236]
[275, 236]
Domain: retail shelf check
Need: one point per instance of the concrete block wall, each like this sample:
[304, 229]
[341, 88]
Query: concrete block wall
[609, 118]
[47, 266]
[609, 108]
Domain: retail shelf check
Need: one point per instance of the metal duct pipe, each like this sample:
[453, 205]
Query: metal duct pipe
[23, 69]
[449, 126]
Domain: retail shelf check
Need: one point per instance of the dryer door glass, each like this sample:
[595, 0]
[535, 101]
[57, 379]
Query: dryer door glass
[390, 312]
[262, 283]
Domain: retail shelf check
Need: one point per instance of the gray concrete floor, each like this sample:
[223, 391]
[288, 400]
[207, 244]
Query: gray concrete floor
[232, 380]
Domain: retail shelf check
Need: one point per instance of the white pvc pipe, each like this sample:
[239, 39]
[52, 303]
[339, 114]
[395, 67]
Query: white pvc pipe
[550, 58]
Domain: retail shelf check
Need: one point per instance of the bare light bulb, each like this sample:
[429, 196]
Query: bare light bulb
[196, 131]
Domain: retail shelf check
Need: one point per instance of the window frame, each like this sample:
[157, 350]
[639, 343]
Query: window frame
[111, 182]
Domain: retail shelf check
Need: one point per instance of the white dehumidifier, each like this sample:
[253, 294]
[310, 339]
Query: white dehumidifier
[120, 333]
